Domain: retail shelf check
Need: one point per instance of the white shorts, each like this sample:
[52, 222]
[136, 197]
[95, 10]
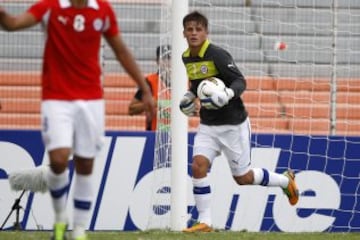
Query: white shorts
[79, 125]
[233, 140]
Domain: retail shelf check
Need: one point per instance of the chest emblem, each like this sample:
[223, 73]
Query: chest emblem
[204, 69]
[98, 23]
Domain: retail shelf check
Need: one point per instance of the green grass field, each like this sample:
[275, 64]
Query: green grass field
[164, 235]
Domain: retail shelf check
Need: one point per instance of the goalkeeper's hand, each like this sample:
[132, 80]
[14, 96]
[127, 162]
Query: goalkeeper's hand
[187, 104]
[218, 99]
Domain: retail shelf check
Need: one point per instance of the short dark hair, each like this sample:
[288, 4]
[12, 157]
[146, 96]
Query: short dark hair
[164, 51]
[196, 16]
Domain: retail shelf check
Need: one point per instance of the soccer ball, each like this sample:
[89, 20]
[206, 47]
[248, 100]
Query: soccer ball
[208, 86]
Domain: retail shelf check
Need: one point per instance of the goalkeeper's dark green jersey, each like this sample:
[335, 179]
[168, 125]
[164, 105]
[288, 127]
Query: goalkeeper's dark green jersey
[213, 61]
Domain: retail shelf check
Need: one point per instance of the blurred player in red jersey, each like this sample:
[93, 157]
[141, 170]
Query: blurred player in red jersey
[72, 107]
[162, 75]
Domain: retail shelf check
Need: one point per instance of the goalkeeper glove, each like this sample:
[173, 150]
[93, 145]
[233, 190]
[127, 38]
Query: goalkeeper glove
[187, 105]
[218, 99]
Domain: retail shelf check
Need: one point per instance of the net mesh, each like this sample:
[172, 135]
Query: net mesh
[299, 59]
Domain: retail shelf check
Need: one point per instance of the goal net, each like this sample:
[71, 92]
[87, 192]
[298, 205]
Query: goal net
[159, 215]
[300, 59]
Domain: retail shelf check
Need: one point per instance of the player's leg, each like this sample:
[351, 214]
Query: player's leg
[205, 150]
[264, 177]
[88, 138]
[202, 194]
[239, 149]
[57, 137]
[201, 191]
[291, 190]
[58, 183]
[83, 196]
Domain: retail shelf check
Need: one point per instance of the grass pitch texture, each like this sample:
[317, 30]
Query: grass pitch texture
[164, 235]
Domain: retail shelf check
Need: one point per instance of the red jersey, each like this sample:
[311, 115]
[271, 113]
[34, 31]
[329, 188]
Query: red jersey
[71, 64]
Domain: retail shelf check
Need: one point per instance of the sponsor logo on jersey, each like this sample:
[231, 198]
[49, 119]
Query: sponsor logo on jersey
[231, 65]
[62, 19]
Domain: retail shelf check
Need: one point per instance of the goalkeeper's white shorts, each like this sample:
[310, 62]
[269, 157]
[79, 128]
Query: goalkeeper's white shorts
[79, 125]
[233, 140]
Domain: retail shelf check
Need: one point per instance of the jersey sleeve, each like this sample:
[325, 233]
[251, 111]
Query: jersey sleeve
[111, 26]
[39, 9]
[230, 72]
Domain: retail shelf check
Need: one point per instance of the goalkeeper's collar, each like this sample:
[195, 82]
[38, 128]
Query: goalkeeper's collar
[202, 51]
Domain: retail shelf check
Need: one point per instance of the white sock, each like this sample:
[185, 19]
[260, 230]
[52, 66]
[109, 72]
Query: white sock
[267, 178]
[59, 187]
[202, 195]
[78, 231]
[83, 194]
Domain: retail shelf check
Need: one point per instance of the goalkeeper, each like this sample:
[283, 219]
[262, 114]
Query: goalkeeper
[224, 122]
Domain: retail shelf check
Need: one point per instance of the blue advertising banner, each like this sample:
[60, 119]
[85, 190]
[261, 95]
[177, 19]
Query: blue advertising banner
[327, 172]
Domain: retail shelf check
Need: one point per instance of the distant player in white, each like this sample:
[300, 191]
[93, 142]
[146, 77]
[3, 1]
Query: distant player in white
[224, 123]
[72, 94]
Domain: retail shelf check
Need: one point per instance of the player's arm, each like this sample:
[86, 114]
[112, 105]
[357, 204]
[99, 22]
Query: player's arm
[136, 107]
[11, 23]
[230, 73]
[231, 76]
[127, 60]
